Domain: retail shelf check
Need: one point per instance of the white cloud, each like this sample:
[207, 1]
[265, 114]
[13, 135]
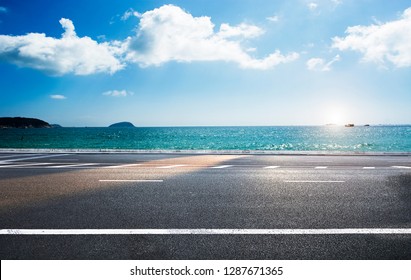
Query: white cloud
[380, 43]
[3, 9]
[169, 33]
[319, 64]
[69, 54]
[130, 12]
[118, 93]
[312, 6]
[274, 18]
[337, 2]
[57, 96]
[242, 30]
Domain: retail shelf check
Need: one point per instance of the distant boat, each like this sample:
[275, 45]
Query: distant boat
[366, 125]
[349, 125]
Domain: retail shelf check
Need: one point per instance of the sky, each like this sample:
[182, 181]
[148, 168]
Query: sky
[206, 62]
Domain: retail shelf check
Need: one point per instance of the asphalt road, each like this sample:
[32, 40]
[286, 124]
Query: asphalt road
[202, 193]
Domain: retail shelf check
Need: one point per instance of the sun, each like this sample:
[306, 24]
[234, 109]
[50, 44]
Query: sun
[334, 116]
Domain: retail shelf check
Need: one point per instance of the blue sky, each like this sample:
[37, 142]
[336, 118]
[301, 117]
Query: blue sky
[206, 62]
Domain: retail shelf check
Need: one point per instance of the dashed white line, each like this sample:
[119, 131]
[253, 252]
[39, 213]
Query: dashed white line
[123, 166]
[171, 166]
[271, 167]
[36, 157]
[312, 181]
[12, 156]
[221, 166]
[204, 231]
[22, 165]
[368, 167]
[72, 165]
[320, 167]
[401, 167]
[132, 181]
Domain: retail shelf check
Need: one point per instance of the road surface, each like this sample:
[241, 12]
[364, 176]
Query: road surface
[182, 206]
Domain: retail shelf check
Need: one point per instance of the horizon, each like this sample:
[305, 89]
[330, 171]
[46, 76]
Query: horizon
[206, 63]
[223, 125]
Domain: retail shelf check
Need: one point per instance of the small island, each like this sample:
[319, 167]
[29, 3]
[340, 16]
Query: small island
[122, 125]
[19, 122]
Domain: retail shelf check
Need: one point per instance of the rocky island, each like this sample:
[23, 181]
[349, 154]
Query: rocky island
[122, 124]
[19, 122]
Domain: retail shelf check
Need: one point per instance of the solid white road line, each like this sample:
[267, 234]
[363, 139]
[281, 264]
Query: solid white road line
[128, 181]
[171, 166]
[206, 231]
[311, 181]
[401, 167]
[123, 166]
[36, 157]
[222, 166]
[22, 165]
[320, 167]
[271, 167]
[72, 165]
[368, 167]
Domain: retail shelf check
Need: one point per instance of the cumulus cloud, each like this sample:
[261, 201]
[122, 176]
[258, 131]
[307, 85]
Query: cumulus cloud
[118, 93]
[69, 54]
[169, 33]
[381, 42]
[319, 64]
[57, 96]
[164, 34]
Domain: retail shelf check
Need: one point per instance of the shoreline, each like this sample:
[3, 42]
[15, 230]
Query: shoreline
[205, 152]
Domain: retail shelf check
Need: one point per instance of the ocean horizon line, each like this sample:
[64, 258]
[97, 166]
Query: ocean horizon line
[278, 125]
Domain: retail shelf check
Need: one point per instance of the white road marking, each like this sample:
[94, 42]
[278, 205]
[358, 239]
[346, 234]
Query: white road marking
[123, 166]
[149, 181]
[222, 166]
[405, 167]
[368, 167]
[285, 231]
[72, 165]
[171, 166]
[320, 167]
[36, 157]
[311, 181]
[11, 156]
[271, 167]
[22, 165]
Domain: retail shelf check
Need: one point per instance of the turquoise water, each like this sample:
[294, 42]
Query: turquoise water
[280, 138]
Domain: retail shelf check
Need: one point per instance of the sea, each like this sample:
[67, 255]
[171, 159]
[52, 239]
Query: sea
[251, 138]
